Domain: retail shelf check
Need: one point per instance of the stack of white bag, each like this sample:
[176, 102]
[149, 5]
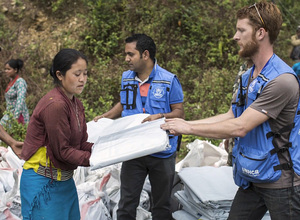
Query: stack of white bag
[208, 185]
[197, 172]
[10, 171]
[209, 193]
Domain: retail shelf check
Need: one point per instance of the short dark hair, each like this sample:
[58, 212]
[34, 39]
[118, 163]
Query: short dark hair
[15, 64]
[63, 61]
[143, 42]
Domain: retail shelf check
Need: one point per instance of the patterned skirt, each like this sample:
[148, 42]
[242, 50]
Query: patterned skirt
[43, 198]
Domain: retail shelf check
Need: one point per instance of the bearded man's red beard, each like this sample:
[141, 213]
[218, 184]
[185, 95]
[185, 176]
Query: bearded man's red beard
[249, 49]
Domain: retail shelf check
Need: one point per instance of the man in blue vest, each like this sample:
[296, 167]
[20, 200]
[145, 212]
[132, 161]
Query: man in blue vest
[264, 119]
[147, 88]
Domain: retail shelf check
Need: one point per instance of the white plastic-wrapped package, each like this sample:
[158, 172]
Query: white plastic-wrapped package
[124, 139]
[10, 171]
[106, 126]
[210, 183]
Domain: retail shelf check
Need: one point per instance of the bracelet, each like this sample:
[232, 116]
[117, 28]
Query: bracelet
[162, 115]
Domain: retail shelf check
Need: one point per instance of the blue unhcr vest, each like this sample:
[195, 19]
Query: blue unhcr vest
[255, 156]
[157, 101]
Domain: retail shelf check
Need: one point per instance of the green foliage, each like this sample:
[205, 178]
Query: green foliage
[103, 39]
[193, 38]
[14, 128]
[57, 5]
[209, 95]
[290, 10]
[3, 32]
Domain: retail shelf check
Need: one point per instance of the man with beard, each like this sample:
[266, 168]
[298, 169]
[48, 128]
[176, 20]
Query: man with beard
[264, 119]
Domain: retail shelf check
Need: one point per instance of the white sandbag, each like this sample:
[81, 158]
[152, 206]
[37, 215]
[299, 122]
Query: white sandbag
[203, 153]
[7, 180]
[142, 214]
[80, 175]
[125, 138]
[8, 159]
[142, 211]
[9, 184]
[93, 200]
[10, 172]
[13, 160]
[8, 215]
[182, 214]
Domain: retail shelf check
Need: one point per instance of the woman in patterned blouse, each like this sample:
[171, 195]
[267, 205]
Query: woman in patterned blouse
[15, 93]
